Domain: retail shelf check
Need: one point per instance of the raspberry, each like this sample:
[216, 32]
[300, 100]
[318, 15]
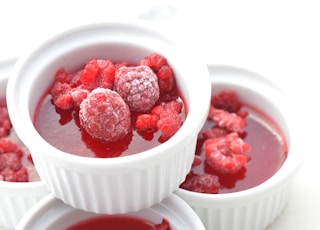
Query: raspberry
[63, 76]
[14, 176]
[204, 183]
[226, 100]
[9, 146]
[105, 116]
[166, 79]
[196, 161]
[164, 225]
[78, 95]
[154, 61]
[147, 122]
[5, 123]
[214, 132]
[226, 154]
[169, 118]
[10, 160]
[138, 86]
[224, 119]
[98, 73]
[61, 95]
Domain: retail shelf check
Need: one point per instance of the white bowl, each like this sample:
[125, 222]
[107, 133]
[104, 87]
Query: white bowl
[16, 198]
[52, 213]
[122, 184]
[257, 207]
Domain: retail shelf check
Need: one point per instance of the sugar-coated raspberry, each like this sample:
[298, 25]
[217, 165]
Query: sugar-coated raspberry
[227, 100]
[63, 76]
[226, 154]
[224, 119]
[138, 86]
[61, 95]
[147, 122]
[204, 183]
[78, 95]
[10, 160]
[154, 61]
[14, 176]
[105, 116]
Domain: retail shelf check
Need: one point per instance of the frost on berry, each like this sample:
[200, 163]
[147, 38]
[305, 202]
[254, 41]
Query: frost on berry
[169, 118]
[229, 121]
[226, 154]
[105, 116]
[138, 86]
[5, 123]
[203, 183]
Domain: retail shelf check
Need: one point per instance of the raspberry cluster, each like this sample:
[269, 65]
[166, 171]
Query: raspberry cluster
[110, 96]
[11, 167]
[223, 146]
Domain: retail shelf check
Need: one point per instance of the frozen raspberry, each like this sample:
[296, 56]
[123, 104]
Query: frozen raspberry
[204, 183]
[138, 86]
[214, 132]
[98, 73]
[5, 123]
[147, 122]
[9, 146]
[154, 61]
[169, 118]
[63, 76]
[226, 100]
[14, 176]
[78, 95]
[105, 116]
[61, 95]
[10, 160]
[166, 79]
[226, 154]
[224, 119]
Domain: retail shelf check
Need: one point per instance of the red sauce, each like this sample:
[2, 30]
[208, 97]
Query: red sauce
[118, 222]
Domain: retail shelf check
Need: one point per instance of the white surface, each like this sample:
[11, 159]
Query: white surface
[276, 38]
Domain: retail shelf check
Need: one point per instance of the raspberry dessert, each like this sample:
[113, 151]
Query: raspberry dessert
[239, 147]
[116, 222]
[111, 109]
[15, 160]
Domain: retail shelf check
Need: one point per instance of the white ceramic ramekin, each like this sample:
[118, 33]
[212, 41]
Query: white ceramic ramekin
[16, 198]
[122, 184]
[257, 207]
[52, 213]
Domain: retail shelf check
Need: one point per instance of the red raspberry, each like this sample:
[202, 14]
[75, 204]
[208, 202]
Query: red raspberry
[214, 132]
[196, 161]
[10, 160]
[105, 116]
[98, 73]
[61, 95]
[224, 119]
[138, 86]
[204, 183]
[14, 176]
[226, 100]
[5, 123]
[226, 154]
[78, 95]
[63, 76]
[147, 122]
[154, 61]
[166, 79]
[9, 146]
[169, 118]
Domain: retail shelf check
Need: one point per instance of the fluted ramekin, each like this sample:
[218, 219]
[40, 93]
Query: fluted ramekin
[257, 207]
[122, 184]
[16, 198]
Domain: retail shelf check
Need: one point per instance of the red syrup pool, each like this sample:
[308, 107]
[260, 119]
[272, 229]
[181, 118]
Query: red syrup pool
[118, 222]
[268, 151]
[61, 129]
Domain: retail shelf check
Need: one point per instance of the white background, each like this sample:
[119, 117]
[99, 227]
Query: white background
[279, 39]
